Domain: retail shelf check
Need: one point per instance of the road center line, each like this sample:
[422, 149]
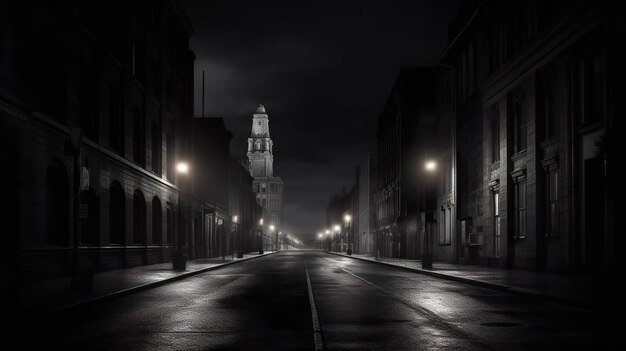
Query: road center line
[317, 331]
[422, 310]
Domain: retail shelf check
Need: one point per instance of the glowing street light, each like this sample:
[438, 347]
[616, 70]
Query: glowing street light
[347, 218]
[182, 167]
[180, 258]
[430, 166]
[235, 219]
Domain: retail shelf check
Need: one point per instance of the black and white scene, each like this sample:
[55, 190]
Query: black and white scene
[311, 174]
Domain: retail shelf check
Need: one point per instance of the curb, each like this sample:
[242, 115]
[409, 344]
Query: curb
[493, 286]
[62, 311]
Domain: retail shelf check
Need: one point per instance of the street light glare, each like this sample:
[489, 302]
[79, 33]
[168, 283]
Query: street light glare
[327, 231]
[272, 227]
[261, 221]
[431, 166]
[347, 218]
[182, 167]
[235, 219]
[337, 228]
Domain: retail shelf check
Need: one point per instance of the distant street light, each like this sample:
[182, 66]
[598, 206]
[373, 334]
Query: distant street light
[234, 236]
[348, 219]
[261, 236]
[272, 229]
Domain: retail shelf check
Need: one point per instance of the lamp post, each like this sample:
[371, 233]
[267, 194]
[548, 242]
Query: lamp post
[261, 236]
[234, 235]
[278, 237]
[179, 261]
[328, 239]
[272, 230]
[319, 240]
[337, 231]
[430, 167]
[348, 219]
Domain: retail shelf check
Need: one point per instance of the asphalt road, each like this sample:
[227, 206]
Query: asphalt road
[265, 303]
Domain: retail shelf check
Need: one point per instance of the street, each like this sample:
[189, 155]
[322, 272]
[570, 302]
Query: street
[265, 304]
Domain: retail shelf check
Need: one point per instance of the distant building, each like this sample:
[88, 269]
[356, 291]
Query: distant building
[364, 210]
[268, 188]
[405, 141]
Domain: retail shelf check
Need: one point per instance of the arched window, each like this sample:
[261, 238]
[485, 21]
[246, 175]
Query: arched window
[139, 218]
[116, 121]
[138, 137]
[157, 221]
[57, 205]
[117, 217]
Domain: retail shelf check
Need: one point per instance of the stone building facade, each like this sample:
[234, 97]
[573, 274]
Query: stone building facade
[536, 88]
[268, 188]
[94, 117]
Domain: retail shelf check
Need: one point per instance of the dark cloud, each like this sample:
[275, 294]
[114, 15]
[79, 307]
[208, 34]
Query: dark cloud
[323, 69]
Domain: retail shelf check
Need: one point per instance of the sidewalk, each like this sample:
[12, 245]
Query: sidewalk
[574, 290]
[54, 296]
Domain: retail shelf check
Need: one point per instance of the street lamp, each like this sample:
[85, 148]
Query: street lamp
[234, 236]
[179, 261]
[261, 236]
[430, 166]
[319, 240]
[348, 219]
[337, 230]
[272, 230]
[328, 239]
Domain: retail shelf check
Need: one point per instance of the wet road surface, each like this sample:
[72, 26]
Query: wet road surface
[265, 304]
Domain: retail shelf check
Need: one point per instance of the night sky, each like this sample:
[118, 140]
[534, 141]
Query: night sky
[323, 70]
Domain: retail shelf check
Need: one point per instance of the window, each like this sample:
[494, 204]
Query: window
[520, 209]
[447, 175]
[548, 103]
[445, 227]
[263, 188]
[156, 148]
[138, 137]
[116, 121]
[519, 122]
[552, 220]
[117, 215]
[138, 60]
[157, 222]
[170, 153]
[88, 100]
[139, 218]
[495, 134]
[592, 89]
